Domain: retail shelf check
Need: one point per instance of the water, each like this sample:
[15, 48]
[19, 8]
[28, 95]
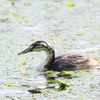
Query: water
[69, 30]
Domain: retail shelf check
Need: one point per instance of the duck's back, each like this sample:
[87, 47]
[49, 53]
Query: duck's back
[72, 62]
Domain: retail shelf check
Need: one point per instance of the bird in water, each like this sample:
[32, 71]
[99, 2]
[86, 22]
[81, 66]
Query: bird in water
[65, 62]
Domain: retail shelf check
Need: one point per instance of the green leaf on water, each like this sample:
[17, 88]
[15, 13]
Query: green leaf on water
[67, 73]
[25, 4]
[21, 17]
[70, 4]
[27, 57]
[15, 14]
[52, 73]
[46, 94]
[13, 3]
[10, 85]
[92, 86]
[23, 63]
[80, 34]
[62, 86]
[32, 39]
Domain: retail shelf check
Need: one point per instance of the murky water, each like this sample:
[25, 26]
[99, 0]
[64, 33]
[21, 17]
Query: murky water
[69, 29]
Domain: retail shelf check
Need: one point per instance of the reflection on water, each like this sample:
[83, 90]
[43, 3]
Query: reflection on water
[41, 82]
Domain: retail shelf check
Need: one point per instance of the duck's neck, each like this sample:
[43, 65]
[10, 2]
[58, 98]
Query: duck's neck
[48, 61]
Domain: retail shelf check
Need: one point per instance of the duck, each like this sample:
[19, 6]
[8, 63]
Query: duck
[67, 62]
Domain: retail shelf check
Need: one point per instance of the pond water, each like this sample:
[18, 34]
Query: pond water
[70, 29]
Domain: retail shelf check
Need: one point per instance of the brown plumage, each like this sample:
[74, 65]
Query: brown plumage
[63, 62]
[73, 62]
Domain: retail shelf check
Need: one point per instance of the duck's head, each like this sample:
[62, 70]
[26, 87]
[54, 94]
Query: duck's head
[37, 46]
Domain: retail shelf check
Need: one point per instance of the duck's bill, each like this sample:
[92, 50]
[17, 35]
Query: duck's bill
[23, 52]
